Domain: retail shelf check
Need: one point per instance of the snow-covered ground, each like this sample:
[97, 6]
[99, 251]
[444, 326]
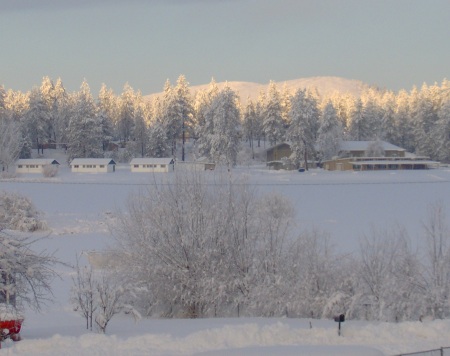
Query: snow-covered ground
[77, 208]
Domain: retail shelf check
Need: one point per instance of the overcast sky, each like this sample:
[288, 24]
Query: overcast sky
[394, 44]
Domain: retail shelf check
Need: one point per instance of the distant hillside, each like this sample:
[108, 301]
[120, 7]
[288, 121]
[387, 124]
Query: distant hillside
[324, 85]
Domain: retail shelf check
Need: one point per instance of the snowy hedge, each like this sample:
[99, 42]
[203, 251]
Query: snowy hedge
[18, 213]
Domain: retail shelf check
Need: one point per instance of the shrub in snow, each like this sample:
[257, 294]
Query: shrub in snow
[97, 295]
[50, 170]
[18, 213]
[7, 175]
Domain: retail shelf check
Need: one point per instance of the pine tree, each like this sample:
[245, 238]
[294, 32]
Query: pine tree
[249, 124]
[37, 118]
[273, 124]
[225, 115]
[126, 108]
[330, 133]
[204, 125]
[303, 130]
[85, 131]
[441, 134]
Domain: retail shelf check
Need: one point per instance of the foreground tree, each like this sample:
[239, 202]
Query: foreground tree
[25, 275]
[10, 142]
[191, 249]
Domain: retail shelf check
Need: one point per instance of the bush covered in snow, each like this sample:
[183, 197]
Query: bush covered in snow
[18, 213]
[50, 170]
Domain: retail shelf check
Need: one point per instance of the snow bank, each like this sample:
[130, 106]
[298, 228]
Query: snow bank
[244, 336]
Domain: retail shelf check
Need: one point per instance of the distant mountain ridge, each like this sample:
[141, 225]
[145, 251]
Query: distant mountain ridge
[324, 85]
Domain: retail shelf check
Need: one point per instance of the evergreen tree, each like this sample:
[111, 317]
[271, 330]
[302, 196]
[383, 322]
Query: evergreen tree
[303, 130]
[249, 124]
[157, 140]
[358, 126]
[273, 124]
[330, 133]
[37, 118]
[204, 126]
[424, 119]
[85, 131]
[224, 140]
[441, 134]
[403, 124]
[126, 108]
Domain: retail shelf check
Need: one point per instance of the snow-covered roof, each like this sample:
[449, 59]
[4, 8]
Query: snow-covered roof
[398, 162]
[364, 145]
[151, 160]
[36, 161]
[101, 161]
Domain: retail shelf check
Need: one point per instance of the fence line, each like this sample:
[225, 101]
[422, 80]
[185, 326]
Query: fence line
[434, 352]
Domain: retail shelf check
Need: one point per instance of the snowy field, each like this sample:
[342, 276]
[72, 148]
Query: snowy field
[77, 208]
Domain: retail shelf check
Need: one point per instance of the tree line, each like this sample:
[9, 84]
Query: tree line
[49, 116]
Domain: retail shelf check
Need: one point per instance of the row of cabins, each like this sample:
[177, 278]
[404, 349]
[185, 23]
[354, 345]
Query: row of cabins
[354, 155]
[107, 165]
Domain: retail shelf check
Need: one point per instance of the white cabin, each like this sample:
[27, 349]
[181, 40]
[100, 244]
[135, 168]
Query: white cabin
[152, 165]
[93, 165]
[34, 165]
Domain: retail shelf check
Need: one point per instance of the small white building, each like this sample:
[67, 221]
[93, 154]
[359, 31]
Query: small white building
[93, 165]
[152, 165]
[34, 165]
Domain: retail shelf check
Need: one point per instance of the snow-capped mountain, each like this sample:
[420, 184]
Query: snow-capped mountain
[324, 85]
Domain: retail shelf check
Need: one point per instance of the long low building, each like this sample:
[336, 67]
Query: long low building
[34, 165]
[152, 165]
[93, 165]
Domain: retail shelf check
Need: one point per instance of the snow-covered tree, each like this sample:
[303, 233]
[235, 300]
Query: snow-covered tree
[249, 124]
[204, 125]
[10, 142]
[25, 275]
[17, 212]
[330, 134]
[273, 124]
[37, 118]
[109, 299]
[437, 261]
[403, 125]
[84, 131]
[302, 133]
[387, 267]
[126, 111]
[441, 134]
[358, 128]
[225, 115]
[97, 295]
[195, 249]
[177, 113]
[107, 108]
[157, 140]
[83, 291]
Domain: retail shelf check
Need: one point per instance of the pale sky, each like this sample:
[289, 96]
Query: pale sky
[393, 44]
